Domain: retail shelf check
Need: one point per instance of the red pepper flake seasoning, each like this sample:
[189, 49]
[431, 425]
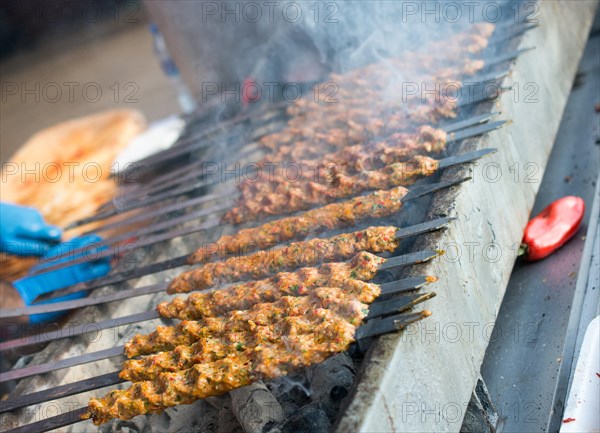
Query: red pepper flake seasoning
[568, 420]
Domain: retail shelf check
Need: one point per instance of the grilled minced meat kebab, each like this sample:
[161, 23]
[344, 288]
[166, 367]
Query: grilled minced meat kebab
[300, 143]
[456, 50]
[345, 275]
[378, 204]
[334, 126]
[263, 264]
[301, 340]
[397, 147]
[317, 127]
[282, 196]
[189, 331]
[237, 330]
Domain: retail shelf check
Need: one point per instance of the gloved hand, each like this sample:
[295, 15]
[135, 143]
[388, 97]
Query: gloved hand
[24, 232]
[32, 286]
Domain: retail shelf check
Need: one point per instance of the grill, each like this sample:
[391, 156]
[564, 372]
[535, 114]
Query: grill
[176, 206]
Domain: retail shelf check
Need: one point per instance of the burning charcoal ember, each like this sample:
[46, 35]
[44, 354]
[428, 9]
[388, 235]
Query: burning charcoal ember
[237, 331]
[176, 419]
[330, 382]
[346, 275]
[266, 263]
[311, 418]
[130, 426]
[282, 196]
[255, 408]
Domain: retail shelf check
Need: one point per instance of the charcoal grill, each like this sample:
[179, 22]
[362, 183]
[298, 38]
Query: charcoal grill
[174, 192]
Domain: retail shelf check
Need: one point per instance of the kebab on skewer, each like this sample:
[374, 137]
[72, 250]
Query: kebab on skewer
[367, 96]
[286, 335]
[397, 147]
[194, 342]
[362, 267]
[472, 41]
[281, 196]
[334, 335]
[346, 275]
[239, 330]
[331, 132]
[483, 30]
[351, 277]
[354, 87]
[378, 204]
[354, 159]
[295, 255]
[293, 144]
[349, 95]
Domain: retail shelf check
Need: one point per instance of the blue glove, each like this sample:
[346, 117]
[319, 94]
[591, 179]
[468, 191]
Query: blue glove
[24, 232]
[33, 286]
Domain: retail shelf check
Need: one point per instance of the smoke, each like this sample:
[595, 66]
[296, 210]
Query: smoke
[224, 43]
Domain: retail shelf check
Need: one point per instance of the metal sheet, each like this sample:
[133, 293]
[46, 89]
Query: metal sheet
[541, 297]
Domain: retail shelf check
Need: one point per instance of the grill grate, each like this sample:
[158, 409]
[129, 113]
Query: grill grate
[167, 236]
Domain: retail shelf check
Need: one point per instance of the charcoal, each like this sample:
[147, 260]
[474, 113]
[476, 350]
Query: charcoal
[311, 418]
[228, 423]
[292, 392]
[256, 408]
[209, 421]
[330, 382]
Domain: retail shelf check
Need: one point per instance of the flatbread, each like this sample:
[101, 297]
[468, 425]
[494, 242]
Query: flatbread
[64, 172]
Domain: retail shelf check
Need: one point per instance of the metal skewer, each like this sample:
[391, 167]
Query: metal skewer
[379, 308]
[193, 186]
[450, 128]
[196, 170]
[401, 233]
[443, 163]
[465, 133]
[391, 263]
[416, 192]
[371, 329]
[106, 208]
[60, 391]
[190, 145]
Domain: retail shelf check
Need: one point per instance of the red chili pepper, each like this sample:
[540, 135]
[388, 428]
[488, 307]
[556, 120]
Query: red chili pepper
[554, 226]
